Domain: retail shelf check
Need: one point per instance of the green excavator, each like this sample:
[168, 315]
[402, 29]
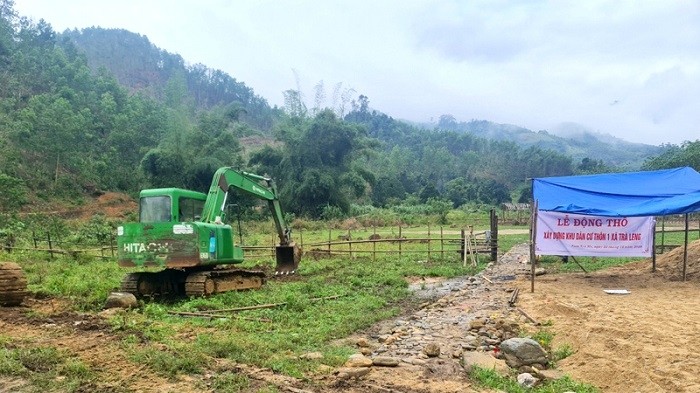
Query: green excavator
[183, 235]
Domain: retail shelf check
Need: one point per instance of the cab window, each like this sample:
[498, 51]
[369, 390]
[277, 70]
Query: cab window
[190, 209]
[154, 209]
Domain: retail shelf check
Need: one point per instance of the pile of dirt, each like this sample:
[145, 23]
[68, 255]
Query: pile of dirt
[111, 205]
[670, 264]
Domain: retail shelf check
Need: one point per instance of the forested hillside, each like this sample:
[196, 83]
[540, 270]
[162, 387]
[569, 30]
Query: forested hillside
[85, 112]
[142, 67]
[579, 143]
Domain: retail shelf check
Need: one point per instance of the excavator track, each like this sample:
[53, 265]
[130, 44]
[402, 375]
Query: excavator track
[174, 282]
[210, 282]
[168, 282]
[13, 284]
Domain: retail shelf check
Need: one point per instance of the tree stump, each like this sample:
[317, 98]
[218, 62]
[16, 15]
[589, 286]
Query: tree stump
[13, 284]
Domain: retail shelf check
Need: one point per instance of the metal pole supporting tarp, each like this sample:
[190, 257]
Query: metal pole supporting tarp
[685, 248]
[653, 247]
[533, 236]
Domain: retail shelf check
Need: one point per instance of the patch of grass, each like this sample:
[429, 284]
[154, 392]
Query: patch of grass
[10, 365]
[555, 264]
[560, 353]
[169, 361]
[506, 242]
[87, 283]
[230, 382]
[46, 368]
[489, 378]
[40, 359]
[544, 337]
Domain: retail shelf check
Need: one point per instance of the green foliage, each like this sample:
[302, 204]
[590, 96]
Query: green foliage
[685, 154]
[331, 213]
[230, 382]
[47, 368]
[489, 378]
[13, 193]
[67, 131]
[544, 337]
[562, 352]
[315, 167]
[86, 283]
[97, 231]
[176, 359]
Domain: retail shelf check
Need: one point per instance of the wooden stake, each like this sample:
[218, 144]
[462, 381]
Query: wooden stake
[529, 318]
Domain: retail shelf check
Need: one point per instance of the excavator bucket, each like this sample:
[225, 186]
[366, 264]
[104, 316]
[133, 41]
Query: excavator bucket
[288, 258]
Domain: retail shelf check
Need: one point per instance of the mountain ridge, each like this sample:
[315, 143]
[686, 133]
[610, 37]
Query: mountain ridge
[153, 70]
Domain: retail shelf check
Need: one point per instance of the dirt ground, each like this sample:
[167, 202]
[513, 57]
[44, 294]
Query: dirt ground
[638, 342]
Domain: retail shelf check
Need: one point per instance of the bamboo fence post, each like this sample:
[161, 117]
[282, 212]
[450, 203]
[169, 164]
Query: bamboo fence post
[533, 237]
[374, 246]
[493, 218]
[463, 247]
[442, 244]
[48, 237]
[429, 243]
[329, 241]
[400, 242]
[301, 238]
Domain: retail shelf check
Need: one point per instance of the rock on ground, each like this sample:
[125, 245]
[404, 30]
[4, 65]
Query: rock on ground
[121, 300]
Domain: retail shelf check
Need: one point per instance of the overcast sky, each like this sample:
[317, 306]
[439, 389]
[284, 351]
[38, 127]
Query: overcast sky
[629, 68]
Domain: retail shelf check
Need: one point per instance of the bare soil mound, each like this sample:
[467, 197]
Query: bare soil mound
[670, 264]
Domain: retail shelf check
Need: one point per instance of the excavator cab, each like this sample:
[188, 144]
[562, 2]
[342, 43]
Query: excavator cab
[170, 205]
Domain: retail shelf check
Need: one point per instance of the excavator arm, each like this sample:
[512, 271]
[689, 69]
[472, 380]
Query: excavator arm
[288, 254]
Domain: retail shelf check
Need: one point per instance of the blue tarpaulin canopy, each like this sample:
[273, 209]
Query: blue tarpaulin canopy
[630, 194]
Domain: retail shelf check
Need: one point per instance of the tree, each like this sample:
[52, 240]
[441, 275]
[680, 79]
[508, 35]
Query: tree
[491, 192]
[316, 167]
[13, 194]
[685, 154]
[592, 166]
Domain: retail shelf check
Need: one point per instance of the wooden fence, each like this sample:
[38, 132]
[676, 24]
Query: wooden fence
[400, 240]
[432, 244]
